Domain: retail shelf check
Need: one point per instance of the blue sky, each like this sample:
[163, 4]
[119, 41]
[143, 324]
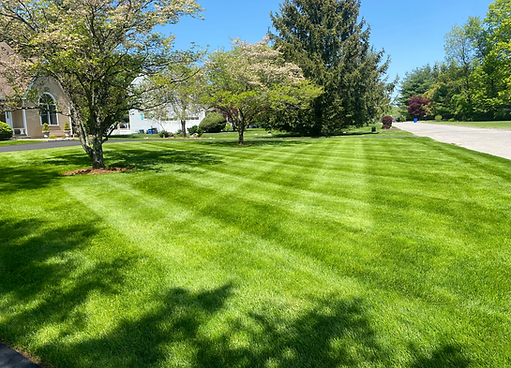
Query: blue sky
[411, 32]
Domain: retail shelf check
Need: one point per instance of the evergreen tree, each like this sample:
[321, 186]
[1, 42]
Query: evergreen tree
[326, 39]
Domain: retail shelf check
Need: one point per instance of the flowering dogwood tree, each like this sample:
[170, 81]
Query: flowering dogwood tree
[251, 81]
[94, 49]
[179, 91]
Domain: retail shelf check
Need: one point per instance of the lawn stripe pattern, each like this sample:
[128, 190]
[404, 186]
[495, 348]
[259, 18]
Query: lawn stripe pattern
[306, 253]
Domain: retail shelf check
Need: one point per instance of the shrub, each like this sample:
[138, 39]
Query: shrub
[213, 123]
[46, 127]
[452, 120]
[5, 131]
[438, 117]
[66, 126]
[228, 128]
[387, 122]
[196, 129]
[163, 134]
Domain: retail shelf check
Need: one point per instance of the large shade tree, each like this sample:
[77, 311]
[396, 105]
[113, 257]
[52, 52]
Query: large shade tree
[94, 49]
[252, 81]
[329, 42]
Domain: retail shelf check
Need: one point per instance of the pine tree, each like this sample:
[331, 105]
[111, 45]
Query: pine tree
[326, 39]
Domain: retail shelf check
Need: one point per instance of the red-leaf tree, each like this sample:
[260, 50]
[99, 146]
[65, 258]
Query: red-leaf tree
[417, 106]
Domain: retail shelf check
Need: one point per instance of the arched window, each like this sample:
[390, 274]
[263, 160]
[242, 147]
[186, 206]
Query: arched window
[48, 110]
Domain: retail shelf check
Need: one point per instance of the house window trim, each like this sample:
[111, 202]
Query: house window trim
[56, 111]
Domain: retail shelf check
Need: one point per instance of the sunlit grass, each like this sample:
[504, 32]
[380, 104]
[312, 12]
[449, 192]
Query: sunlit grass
[355, 252]
[16, 142]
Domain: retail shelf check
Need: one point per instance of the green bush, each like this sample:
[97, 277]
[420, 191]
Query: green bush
[438, 117]
[46, 127]
[163, 134]
[66, 126]
[213, 123]
[5, 131]
[196, 129]
[452, 120]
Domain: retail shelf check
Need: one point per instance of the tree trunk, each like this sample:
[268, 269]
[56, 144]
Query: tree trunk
[241, 140]
[183, 127]
[97, 153]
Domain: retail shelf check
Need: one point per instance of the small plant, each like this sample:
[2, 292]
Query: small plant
[5, 131]
[46, 127]
[438, 117]
[228, 128]
[66, 126]
[53, 137]
[387, 122]
[452, 120]
[163, 134]
[196, 129]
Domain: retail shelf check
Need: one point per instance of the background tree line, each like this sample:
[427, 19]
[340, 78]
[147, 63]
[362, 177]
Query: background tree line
[474, 81]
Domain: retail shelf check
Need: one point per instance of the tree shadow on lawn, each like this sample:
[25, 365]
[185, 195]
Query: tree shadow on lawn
[334, 333]
[45, 284]
[141, 159]
[19, 178]
[446, 355]
[152, 160]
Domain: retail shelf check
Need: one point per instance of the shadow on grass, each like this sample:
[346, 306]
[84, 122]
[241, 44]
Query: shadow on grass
[26, 177]
[145, 159]
[49, 285]
[334, 333]
[447, 355]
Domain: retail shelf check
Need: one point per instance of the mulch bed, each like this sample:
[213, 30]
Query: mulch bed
[89, 171]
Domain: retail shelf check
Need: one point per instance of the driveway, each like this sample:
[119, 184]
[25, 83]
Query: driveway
[40, 145]
[496, 142]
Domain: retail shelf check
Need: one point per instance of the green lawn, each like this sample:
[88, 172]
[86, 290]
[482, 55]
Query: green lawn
[358, 252]
[16, 142]
[477, 124]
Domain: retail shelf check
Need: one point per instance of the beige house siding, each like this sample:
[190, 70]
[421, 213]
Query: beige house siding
[33, 127]
[33, 118]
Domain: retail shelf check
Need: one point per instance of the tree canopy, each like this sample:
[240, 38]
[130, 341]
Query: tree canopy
[252, 80]
[94, 49]
[179, 90]
[474, 82]
[327, 40]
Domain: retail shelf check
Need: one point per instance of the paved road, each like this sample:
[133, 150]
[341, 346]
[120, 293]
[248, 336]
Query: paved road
[40, 145]
[496, 142]
[12, 359]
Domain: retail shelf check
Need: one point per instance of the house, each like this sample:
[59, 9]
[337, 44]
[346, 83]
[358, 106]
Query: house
[143, 121]
[48, 106]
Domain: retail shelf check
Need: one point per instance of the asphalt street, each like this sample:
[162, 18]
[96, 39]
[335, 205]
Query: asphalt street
[496, 142]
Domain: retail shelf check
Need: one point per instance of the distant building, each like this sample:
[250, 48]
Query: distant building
[143, 121]
[27, 120]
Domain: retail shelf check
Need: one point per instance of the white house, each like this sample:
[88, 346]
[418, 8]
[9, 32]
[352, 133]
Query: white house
[142, 121]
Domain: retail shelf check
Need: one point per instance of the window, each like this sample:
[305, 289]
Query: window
[48, 110]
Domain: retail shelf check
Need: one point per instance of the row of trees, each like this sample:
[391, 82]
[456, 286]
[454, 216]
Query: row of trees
[316, 74]
[474, 82]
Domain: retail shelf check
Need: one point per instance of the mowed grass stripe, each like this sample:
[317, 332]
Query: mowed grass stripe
[362, 253]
